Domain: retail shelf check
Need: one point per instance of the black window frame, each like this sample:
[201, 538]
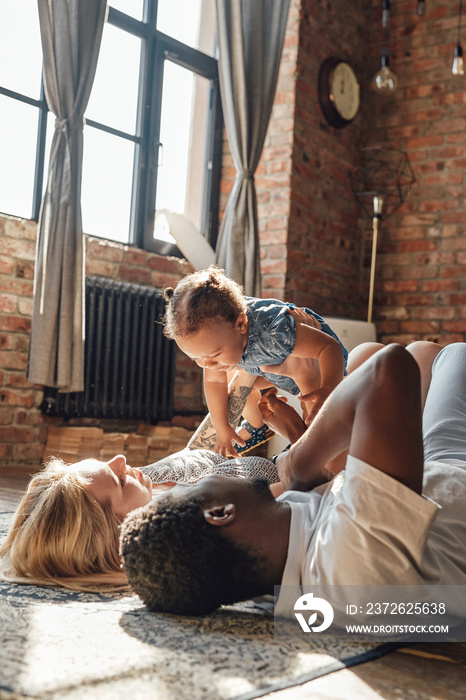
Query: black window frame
[156, 48]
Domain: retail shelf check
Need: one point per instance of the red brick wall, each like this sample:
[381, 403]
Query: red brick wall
[22, 433]
[324, 247]
[308, 218]
[23, 428]
[315, 241]
[421, 280]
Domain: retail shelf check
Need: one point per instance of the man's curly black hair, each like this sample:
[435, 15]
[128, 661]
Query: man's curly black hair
[178, 563]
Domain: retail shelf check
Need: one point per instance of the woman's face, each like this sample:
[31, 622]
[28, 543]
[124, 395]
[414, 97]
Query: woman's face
[116, 482]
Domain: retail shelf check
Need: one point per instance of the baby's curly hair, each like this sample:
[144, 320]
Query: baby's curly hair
[176, 562]
[200, 297]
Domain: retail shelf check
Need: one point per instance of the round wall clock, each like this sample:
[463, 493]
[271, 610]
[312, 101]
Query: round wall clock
[338, 90]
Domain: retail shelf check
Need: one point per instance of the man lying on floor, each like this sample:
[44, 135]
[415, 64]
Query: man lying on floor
[223, 539]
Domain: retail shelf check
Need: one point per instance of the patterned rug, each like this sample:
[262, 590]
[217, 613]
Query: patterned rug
[58, 644]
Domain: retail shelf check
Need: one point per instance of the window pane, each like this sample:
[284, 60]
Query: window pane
[189, 21]
[48, 145]
[18, 138]
[20, 47]
[106, 185]
[130, 7]
[180, 177]
[113, 99]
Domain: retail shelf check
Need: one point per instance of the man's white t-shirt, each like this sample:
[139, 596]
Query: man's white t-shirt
[364, 528]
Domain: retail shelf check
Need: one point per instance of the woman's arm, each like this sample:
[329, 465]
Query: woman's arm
[239, 390]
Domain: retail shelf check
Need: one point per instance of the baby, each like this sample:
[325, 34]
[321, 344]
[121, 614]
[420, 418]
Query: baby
[222, 330]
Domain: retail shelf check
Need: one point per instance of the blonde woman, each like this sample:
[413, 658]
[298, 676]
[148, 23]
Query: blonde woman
[66, 528]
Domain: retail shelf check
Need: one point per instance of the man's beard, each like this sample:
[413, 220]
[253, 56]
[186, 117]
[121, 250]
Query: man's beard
[262, 488]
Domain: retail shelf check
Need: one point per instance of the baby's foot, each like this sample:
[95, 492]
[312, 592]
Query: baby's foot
[253, 436]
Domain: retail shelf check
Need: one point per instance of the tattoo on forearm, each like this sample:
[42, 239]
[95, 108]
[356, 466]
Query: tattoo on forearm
[236, 402]
[204, 437]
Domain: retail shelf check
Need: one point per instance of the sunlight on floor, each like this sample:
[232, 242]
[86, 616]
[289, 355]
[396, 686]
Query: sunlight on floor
[334, 686]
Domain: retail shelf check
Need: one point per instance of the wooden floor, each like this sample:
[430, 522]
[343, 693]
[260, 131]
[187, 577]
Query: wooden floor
[417, 672]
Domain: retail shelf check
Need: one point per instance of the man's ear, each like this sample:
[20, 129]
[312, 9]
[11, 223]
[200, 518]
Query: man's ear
[220, 515]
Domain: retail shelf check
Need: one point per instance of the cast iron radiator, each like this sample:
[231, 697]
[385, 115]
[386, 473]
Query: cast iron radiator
[129, 364]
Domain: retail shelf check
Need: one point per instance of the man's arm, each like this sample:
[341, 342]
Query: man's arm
[283, 419]
[375, 413]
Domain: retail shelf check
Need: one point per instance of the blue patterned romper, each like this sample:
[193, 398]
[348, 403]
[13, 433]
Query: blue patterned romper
[272, 337]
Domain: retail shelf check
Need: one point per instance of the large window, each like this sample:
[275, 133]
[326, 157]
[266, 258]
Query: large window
[151, 134]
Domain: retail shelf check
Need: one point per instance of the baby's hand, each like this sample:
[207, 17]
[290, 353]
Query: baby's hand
[314, 402]
[300, 316]
[225, 442]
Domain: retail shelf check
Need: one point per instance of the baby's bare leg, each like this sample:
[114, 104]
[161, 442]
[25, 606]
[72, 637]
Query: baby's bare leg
[304, 371]
[251, 413]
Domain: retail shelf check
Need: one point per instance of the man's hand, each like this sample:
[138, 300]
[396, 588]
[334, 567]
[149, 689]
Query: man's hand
[282, 418]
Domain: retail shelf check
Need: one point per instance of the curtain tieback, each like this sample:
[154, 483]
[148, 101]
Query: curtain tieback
[246, 175]
[75, 123]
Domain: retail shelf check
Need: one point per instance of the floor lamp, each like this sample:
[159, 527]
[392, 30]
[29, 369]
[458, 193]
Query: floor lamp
[380, 185]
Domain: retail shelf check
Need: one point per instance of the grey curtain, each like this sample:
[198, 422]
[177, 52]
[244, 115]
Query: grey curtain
[71, 32]
[250, 41]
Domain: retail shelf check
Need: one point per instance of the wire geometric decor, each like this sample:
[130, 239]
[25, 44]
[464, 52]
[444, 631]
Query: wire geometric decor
[384, 172]
[380, 185]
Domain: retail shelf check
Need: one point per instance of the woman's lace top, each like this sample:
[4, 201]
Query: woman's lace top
[188, 466]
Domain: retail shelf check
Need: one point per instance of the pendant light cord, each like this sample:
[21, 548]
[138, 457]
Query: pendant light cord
[460, 13]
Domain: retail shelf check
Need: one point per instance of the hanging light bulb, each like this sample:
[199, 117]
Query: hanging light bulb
[385, 81]
[458, 67]
[386, 7]
[421, 8]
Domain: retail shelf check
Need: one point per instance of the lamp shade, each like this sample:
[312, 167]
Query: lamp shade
[195, 248]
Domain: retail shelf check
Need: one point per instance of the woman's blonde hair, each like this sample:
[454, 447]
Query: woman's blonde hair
[61, 536]
[200, 297]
